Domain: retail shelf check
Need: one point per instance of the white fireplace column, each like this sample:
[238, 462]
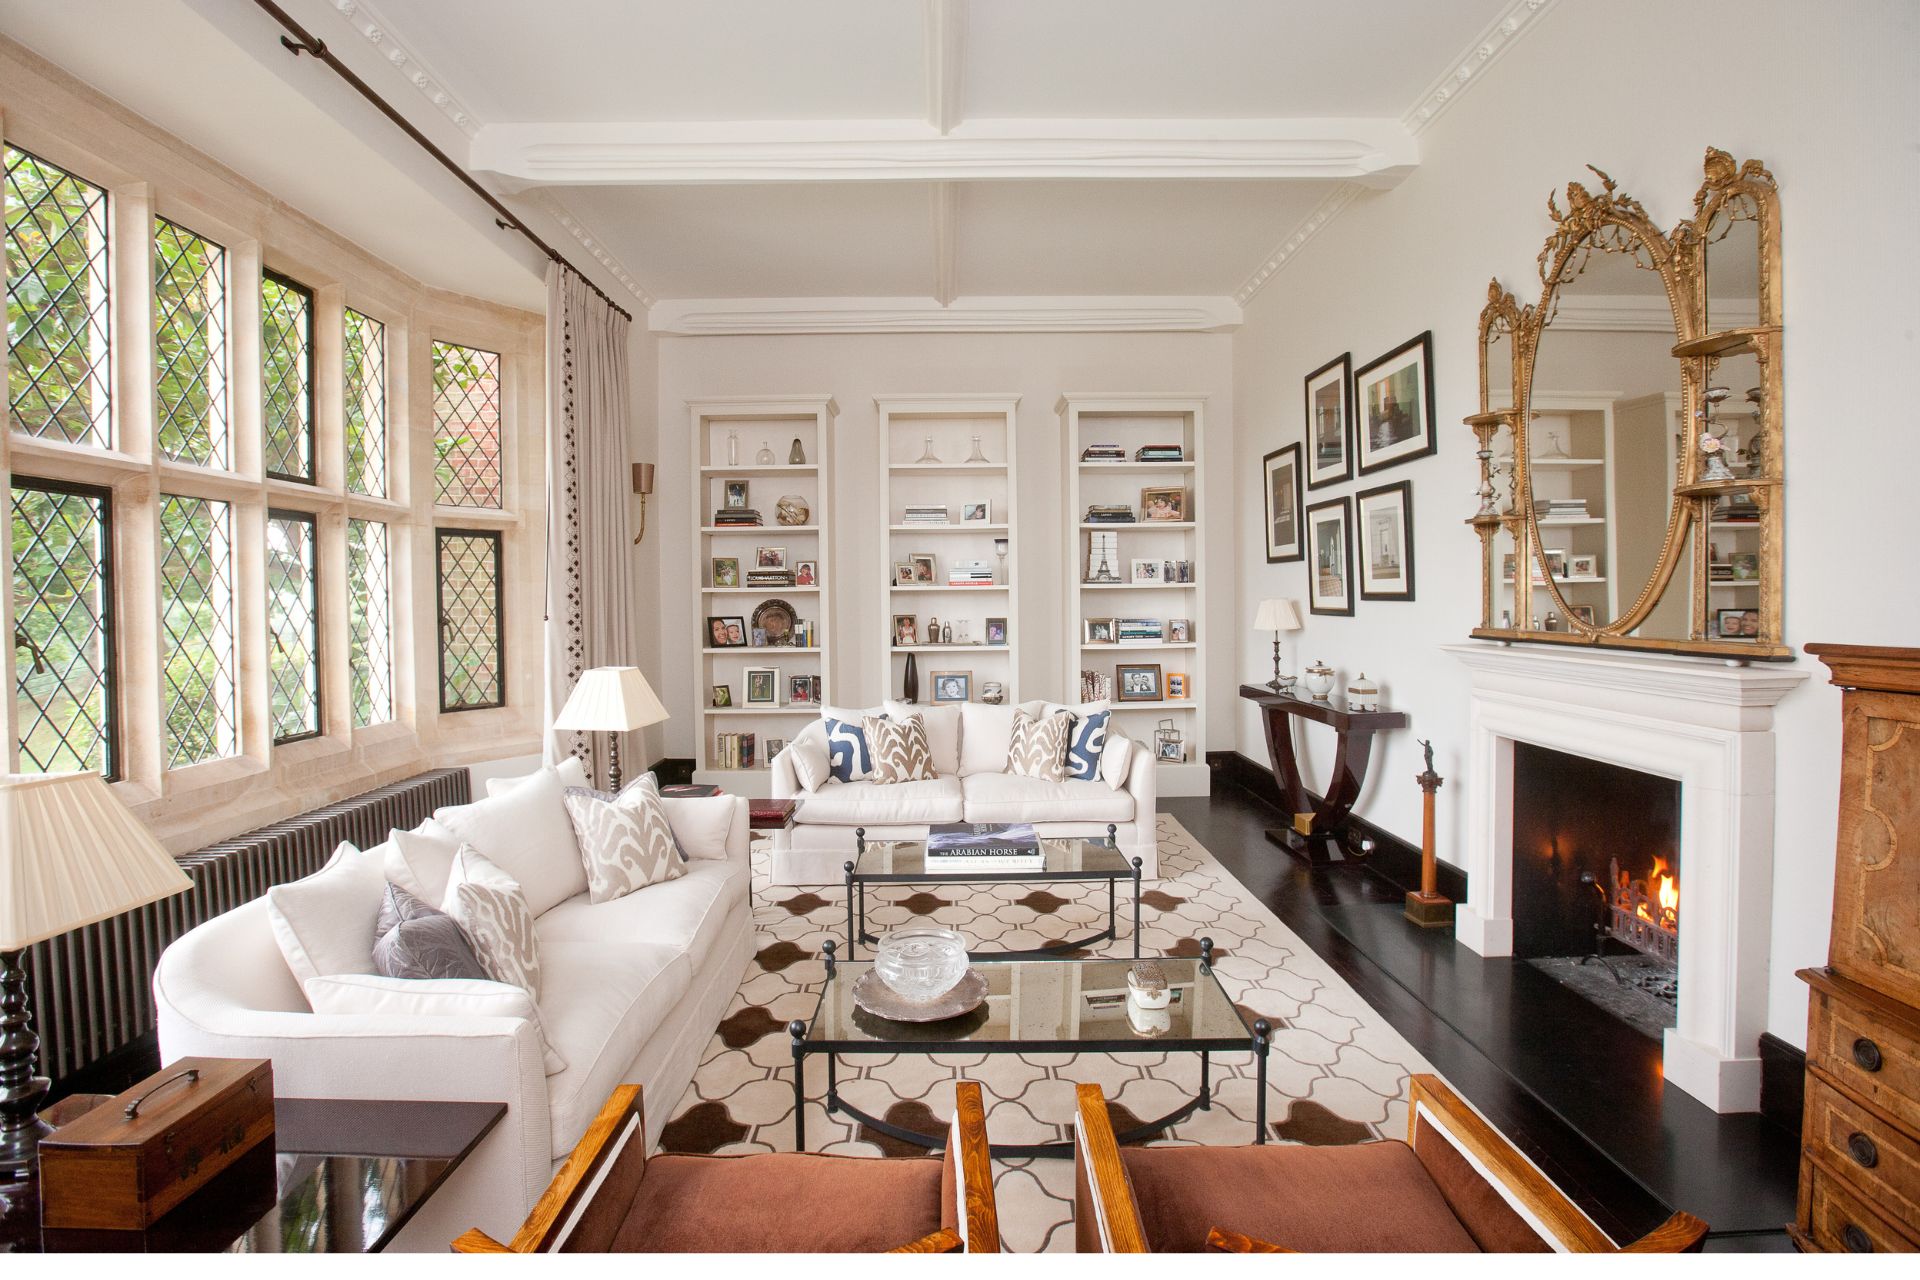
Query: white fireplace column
[1707, 724]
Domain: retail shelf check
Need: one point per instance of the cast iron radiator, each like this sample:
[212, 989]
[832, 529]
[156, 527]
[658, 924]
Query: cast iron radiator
[92, 989]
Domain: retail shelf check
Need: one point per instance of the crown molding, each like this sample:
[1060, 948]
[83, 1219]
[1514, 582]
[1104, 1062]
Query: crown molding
[732, 317]
[1337, 199]
[373, 28]
[1499, 35]
[586, 239]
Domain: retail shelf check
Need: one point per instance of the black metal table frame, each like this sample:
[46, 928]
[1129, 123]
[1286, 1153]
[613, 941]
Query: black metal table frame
[797, 1030]
[858, 881]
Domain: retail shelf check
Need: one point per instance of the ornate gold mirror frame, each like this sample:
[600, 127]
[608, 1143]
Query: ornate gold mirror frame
[1731, 193]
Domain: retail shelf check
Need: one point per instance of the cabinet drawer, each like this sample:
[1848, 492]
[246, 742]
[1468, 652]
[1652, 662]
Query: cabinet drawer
[1840, 1223]
[1869, 1055]
[1881, 1162]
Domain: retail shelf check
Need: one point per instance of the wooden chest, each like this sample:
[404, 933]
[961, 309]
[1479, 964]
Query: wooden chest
[111, 1171]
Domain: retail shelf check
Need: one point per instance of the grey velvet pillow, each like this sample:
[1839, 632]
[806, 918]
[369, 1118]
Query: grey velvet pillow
[412, 940]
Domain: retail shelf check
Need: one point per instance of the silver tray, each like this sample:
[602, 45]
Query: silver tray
[881, 1000]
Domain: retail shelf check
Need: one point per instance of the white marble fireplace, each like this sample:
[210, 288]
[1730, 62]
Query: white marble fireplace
[1709, 725]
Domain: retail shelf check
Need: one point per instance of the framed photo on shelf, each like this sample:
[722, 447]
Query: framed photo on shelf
[952, 686]
[774, 747]
[1395, 397]
[1745, 565]
[1556, 565]
[806, 573]
[1180, 630]
[800, 691]
[1330, 538]
[906, 630]
[727, 633]
[996, 630]
[1583, 612]
[902, 574]
[1282, 470]
[1146, 571]
[922, 562]
[1386, 530]
[769, 557]
[736, 496]
[725, 571]
[720, 696]
[1172, 750]
[976, 512]
[1176, 684]
[1330, 422]
[1098, 630]
[1737, 624]
[1163, 504]
[1137, 682]
[763, 686]
[1583, 566]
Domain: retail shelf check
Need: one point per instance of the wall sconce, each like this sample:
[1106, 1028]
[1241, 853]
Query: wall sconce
[642, 485]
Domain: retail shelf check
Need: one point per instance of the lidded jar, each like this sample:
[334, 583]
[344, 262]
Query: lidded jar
[921, 961]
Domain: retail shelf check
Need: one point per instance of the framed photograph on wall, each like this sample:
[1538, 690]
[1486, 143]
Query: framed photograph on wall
[1330, 422]
[1394, 397]
[1282, 468]
[1385, 517]
[1330, 540]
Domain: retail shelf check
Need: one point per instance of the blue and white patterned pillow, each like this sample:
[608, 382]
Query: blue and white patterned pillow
[849, 756]
[1089, 739]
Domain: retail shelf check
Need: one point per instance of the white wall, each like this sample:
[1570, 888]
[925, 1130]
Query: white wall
[1825, 95]
[856, 368]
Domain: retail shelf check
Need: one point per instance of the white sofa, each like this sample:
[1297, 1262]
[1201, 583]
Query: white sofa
[631, 992]
[973, 785]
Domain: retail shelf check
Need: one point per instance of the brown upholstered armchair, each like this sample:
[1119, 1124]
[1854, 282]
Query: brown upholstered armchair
[775, 1202]
[1455, 1185]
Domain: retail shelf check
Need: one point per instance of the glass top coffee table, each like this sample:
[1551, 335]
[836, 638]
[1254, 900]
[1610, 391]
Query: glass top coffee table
[1037, 1006]
[1063, 861]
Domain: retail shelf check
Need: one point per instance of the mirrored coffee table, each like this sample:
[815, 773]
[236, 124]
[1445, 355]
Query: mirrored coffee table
[1036, 1006]
[882, 862]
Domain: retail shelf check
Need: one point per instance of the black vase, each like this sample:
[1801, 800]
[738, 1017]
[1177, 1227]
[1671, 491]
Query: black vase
[910, 683]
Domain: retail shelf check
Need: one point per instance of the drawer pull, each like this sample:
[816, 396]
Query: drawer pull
[1866, 1054]
[1861, 1148]
[1856, 1240]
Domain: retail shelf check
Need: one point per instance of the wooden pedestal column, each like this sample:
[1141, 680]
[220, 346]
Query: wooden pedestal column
[1428, 908]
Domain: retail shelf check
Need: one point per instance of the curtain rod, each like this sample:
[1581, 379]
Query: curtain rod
[303, 41]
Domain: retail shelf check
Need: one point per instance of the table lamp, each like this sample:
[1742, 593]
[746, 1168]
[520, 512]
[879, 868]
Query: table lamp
[611, 700]
[1277, 616]
[71, 854]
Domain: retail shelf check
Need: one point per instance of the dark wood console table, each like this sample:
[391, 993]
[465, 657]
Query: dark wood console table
[1316, 833]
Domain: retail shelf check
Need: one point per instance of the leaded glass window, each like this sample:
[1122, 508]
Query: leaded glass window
[466, 426]
[286, 358]
[293, 626]
[471, 643]
[370, 619]
[190, 345]
[365, 363]
[63, 627]
[58, 340]
[196, 627]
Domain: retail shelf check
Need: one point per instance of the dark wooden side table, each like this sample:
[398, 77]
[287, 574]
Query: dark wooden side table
[1315, 836]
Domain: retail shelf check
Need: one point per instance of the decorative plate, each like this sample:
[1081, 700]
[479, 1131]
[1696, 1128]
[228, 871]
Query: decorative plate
[775, 617]
[877, 998]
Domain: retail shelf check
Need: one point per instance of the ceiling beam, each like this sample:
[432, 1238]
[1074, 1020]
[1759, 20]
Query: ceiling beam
[710, 317]
[946, 27]
[945, 287]
[1372, 151]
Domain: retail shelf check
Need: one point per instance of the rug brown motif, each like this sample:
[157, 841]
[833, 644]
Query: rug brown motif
[1337, 1073]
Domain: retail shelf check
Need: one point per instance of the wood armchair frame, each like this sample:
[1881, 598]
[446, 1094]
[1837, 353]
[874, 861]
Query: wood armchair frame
[622, 1123]
[1101, 1181]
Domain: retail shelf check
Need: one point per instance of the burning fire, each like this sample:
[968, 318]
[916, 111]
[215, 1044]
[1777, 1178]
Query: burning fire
[1665, 896]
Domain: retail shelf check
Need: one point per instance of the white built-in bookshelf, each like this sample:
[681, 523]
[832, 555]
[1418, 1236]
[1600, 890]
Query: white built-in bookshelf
[978, 497]
[1130, 422]
[728, 439]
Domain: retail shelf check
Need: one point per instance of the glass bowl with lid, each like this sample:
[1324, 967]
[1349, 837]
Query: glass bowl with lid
[921, 961]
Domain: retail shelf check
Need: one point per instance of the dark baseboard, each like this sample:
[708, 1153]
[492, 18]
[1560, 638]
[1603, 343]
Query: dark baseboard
[673, 771]
[1783, 1082]
[1392, 858]
[114, 1073]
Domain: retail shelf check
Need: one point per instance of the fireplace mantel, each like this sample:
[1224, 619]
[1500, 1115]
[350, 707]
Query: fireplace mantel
[1707, 723]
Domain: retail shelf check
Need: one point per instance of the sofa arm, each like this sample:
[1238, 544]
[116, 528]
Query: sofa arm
[786, 783]
[740, 833]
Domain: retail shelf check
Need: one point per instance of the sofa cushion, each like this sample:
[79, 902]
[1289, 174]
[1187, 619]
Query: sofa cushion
[849, 756]
[626, 842]
[684, 914]
[523, 829]
[325, 922]
[701, 824]
[811, 767]
[1085, 744]
[868, 804]
[420, 860]
[416, 941]
[900, 750]
[942, 723]
[1116, 759]
[986, 732]
[1009, 797]
[1039, 746]
[492, 911]
[415, 998]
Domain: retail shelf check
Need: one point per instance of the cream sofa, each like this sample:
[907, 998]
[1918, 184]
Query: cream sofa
[970, 744]
[631, 992]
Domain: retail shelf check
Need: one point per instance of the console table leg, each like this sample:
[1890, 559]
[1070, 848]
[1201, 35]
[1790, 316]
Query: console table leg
[1261, 1030]
[798, 1031]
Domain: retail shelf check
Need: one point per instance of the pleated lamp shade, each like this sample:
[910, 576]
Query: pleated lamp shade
[611, 699]
[71, 854]
[1277, 615]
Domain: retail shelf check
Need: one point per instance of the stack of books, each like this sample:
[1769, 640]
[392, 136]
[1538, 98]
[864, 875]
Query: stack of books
[1739, 509]
[1160, 453]
[1096, 686]
[733, 750]
[1106, 513]
[925, 514]
[1103, 453]
[769, 577]
[734, 517]
[977, 846]
[970, 573]
[1138, 630]
[1565, 509]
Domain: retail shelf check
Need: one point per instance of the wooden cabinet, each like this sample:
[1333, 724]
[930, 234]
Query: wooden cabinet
[1860, 1145]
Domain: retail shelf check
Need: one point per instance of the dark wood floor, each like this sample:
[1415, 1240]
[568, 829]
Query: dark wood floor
[1582, 1096]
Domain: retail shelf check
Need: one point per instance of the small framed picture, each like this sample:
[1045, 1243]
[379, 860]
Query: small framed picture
[1146, 570]
[1582, 612]
[1395, 399]
[800, 690]
[996, 630]
[1746, 564]
[726, 571]
[976, 512]
[902, 574]
[769, 557]
[906, 630]
[774, 747]
[1172, 750]
[922, 562]
[1737, 624]
[1330, 422]
[1556, 564]
[1137, 682]
[1163, 504]
[1282, 468]
[1180, 630]
[952, 686]
[721, 696]
[1098, 630]
[736, 494]
[727, 633]
[1176, 684]
[757, 637]
[1583, 566]
[1330, 534]
[806, 573]
[763, 686]
[1386, 528]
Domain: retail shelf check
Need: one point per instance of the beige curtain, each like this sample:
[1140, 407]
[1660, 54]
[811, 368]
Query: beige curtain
[589, 545]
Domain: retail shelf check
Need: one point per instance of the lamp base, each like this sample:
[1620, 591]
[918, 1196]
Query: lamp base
[21, 1092]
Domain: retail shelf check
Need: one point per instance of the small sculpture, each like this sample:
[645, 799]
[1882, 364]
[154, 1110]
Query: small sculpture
[792, 509]
[1712, 448]
[796, 456]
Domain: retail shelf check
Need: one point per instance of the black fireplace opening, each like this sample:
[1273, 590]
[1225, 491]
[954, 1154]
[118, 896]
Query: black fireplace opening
[1596, 881]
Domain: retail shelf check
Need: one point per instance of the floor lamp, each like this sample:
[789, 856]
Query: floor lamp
[71, 854]
[611, 700]
[1277, 616]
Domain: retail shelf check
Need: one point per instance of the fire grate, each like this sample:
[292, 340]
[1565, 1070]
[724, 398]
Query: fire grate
[1642, 991]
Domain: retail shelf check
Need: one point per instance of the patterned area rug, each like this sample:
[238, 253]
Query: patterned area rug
[1337, 1072]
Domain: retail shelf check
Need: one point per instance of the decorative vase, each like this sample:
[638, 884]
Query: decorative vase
[921, 961]
[927, 456]
[796, 456]
[733, 448]
[1319, 680]
[910, 682]
[976, 455]
[792, 509]
[765, 457]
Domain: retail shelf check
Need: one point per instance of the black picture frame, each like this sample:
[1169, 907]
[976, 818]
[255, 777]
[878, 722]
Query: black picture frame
[1287, 457]
[1376, 581]
[1319, 600]
[1395, 448]
[1322, 467]
[721, 637]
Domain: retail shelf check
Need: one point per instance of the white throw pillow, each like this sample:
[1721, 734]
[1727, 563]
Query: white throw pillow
[985, 733]
[491, 909]
[572, 773]
[375, 996]
[1116, 762]
[324, 923]
[626, 841]
[701, 824]
[811, 768]
[942, 721]
[420, 860]
[523, 829]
